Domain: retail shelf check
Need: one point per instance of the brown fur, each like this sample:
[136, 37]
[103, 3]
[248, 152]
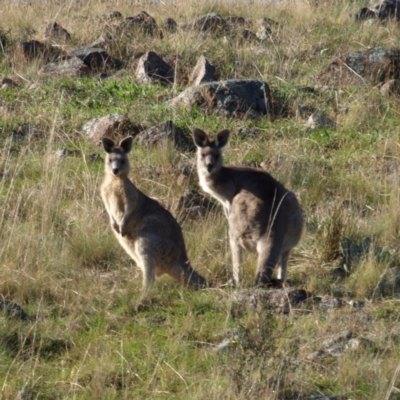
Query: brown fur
[146, 230]
[263, 216]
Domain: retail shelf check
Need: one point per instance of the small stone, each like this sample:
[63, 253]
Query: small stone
[112, 16]
[318, 120]
[7, 83]
[263, 33]
[328, 303]
[170, 25]
[392, 86]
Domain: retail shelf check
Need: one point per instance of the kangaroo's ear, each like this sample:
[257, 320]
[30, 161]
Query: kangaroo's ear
[200, 138]
[108, 145]
[126, 144]
[222, 138]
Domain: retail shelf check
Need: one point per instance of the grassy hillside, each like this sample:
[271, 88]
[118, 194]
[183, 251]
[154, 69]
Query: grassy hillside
[85, 337]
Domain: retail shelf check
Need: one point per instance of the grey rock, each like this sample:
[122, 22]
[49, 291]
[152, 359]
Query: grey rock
[112, 125]
[7, 83]
[71, 67]
[112, 16]
[246, 133]
[248, 35]
[170, 25]
[244, 98]
[140, 23]
[392, 86]
[13, 310]
[373, 66]
[212, 22]
[25, 132]
[33, 49]
[202, 72]
[389, 285]
[152, 68]
[235, 20]
[266, 22]
[328, 303]
[263, 33]
[167, 130]
[277, 300]
[382, 10]
[319, 120]
[55, 33]
[94, 57]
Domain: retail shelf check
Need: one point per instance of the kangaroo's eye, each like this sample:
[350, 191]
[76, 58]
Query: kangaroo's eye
[122, 162]
[216, 156]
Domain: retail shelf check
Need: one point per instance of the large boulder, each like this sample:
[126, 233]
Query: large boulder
[152, 68]
[371, 66]
[236, 97]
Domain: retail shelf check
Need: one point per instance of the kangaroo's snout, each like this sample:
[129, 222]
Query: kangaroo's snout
[115, 171]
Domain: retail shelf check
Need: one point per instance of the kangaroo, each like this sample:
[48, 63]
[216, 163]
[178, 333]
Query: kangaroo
[263, 216]
[147, 231]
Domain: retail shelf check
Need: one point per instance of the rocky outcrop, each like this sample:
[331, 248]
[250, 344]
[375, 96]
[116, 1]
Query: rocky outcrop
[363, 67]
[241, 97]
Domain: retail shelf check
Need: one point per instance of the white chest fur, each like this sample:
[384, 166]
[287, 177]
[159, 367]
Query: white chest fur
[207, 187]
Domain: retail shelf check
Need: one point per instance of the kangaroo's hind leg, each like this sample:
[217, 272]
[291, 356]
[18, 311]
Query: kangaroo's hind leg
[269, 251]
[282, 270]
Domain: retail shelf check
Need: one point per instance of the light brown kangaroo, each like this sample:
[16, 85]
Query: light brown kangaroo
[262, 214]
[146, 230]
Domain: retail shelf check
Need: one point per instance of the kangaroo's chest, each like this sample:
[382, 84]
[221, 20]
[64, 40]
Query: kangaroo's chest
[209, 188]
[116, 200]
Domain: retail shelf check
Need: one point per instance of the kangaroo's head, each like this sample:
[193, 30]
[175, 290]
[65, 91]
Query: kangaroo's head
[117, 162]
[209, 152]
